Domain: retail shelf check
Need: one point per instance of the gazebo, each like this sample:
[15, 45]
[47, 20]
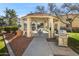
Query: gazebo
[51, 23]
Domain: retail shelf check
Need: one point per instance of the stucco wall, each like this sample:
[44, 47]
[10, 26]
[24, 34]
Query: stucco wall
[75, 23]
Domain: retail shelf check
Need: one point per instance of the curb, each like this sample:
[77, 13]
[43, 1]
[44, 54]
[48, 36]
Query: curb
[8, 47]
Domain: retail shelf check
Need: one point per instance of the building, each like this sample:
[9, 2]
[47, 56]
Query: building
[34, 22]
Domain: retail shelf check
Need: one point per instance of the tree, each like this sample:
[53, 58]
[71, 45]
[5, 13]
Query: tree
[40, 9]
[2, 23]
[10, 15]
[51, 8]
[65, 9]
[71, 9]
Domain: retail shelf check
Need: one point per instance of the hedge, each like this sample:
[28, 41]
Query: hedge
[73, 44]
[9, 28]
[74, 29]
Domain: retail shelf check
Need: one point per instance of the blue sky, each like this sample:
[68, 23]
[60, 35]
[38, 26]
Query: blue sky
[20, 8]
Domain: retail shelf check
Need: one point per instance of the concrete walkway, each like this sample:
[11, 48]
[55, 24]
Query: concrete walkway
[38, 47]
[61, 51]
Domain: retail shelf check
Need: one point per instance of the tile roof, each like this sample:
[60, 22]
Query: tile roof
[38, 14]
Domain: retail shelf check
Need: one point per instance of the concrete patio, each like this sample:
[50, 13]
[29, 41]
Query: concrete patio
[40, 47]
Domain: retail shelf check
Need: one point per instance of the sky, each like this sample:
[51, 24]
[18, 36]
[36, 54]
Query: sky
[20, 8]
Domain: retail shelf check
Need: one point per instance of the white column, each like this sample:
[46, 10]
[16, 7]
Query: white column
[49, 36]
[44, 25]
[22, 24]
[29, 34]
[58, 27]
[51, 26]
[36, 26]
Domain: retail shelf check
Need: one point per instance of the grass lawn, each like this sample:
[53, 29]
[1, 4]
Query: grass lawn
[73, 41]
[74, 35]
[3, 49]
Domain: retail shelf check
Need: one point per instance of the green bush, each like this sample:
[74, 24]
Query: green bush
[76, 30]
[7, 29]
[1, 28]
[10, 28]
[73, 44]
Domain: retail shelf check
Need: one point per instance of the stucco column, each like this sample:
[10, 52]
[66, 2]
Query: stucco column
[51, 27]
[29, 28]
[36, 26]
[49, 36]
[58, 27]
[22, 24]
[44, 23]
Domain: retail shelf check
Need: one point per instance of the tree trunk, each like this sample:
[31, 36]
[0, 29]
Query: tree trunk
[70, 26]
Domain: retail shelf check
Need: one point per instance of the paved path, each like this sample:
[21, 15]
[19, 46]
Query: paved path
[38, 47]
[61, 51]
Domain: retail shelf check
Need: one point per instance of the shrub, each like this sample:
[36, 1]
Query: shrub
[10, 28]
[1, 28]
[14, 28]
[76, 30]
[7, 29]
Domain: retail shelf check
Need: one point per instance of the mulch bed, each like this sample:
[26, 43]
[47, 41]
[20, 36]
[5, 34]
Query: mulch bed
[20, 44]
[9, 36]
